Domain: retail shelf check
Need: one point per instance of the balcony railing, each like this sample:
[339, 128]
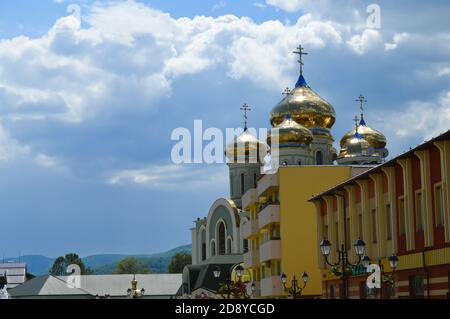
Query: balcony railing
[266, 182]
[250, 197]
[270, 250]
[270, 214]
[250, 228]
[251, 258]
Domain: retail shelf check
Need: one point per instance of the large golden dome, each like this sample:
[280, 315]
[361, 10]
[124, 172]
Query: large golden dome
[375, 138]
[305, 106]
[291, 133]
[248, 146]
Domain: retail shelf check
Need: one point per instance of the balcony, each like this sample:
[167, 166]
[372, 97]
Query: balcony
[266, 182]
[269, 214]
[270, 250]
[271, 286]
[250, 197]
[251, 258]
[250, 228]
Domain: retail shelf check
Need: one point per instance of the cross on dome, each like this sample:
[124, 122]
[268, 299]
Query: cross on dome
[300, 51]
[245, 108]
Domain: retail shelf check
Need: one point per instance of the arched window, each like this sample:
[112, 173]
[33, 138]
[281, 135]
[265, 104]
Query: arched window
[285, 163]
[229, 244]
[255, 179]
[213, 248]
[242, 184]
[221, 238]
[203, 251]
[319, 158]
[299, 163]
[245, 244]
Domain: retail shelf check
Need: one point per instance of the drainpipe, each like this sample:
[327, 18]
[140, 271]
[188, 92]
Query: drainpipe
[424, 266]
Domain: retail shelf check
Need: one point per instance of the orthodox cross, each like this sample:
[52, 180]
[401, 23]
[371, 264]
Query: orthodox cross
[361, 99]
[356, 120]
[300, 51]
[287, 92]
[245, 108]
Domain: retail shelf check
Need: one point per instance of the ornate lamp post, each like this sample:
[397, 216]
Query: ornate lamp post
[294, 289]
[384, 277]
[229, 285]
[133, 292]
[343, 261]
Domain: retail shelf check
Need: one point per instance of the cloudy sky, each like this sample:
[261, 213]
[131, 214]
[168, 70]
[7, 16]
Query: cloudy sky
[91, 91]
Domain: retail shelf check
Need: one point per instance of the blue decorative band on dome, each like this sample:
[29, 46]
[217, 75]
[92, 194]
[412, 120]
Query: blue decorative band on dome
[362, 122]
[301, 82]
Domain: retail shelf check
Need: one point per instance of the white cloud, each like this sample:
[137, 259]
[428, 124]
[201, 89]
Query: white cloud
[397, 39]
[420, 118]
[10, 148]
[444, 72]
[173, 177]
[367, 40]
[259, 5]
[45, 160]
[290, 5]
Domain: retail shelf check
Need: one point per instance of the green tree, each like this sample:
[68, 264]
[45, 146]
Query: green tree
[59, 267]
[179, 261]
[131, 265]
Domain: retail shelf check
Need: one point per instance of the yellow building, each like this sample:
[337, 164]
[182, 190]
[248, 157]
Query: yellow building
[282, 228]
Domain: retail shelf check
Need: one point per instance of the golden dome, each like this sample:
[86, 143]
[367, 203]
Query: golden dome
[357, 146]
[290, 132]
[306, 108]
[246, 144]
[375, 138]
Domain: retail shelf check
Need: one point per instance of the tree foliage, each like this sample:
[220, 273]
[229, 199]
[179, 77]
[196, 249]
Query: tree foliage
[179, 261]
[131, 265]
[59, 267]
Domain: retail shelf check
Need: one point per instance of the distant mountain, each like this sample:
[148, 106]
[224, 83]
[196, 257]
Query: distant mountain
[104, 264]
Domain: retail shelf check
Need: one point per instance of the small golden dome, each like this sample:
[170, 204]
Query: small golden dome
[246, 144]
[290, 132]
[357, 146]
[306, 108]
[375, 138]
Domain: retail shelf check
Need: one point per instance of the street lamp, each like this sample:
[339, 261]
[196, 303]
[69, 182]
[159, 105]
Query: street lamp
[133, 292]
[343, 260]
[229, 285]
[384, 277]
[294, 289]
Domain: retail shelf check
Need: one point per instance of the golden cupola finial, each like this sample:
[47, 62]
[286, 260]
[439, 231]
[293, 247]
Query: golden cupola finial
[291, 133]
[375, 138]
[246, 147]
[304, 105]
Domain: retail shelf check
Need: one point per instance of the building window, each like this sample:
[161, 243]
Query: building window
[285, 163]
[203, 251]
[245, 245]
[332, 292]
[229, 245]
[402, 216]
[362, 290]
[374, 226]
[221, 239]
[242, 184]
[299, 163]
[213, 248]
[347, 234]
[388, 222]
[419, 212]
[440, 211]
[360, 226]
[319, 158]
[416, 287]
[255, 179]
[336, 235]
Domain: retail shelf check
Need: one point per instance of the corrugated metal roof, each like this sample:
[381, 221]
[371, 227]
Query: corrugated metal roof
[117, 285]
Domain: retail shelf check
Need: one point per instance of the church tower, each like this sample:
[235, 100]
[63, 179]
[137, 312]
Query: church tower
[362, 145]
[245, 158]
[306, 108]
